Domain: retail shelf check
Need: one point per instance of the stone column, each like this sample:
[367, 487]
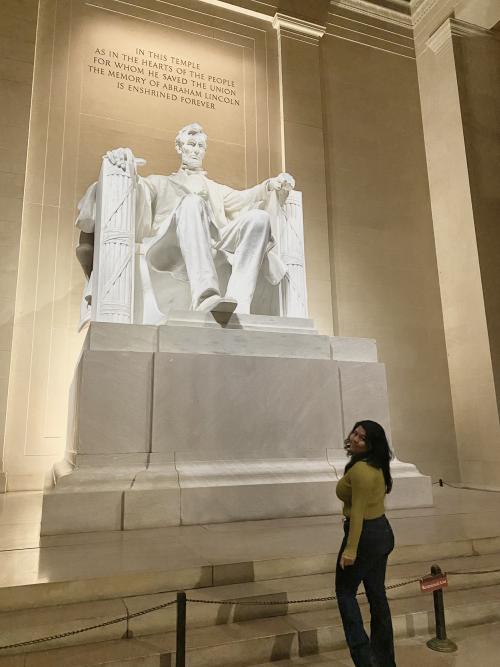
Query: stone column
[303, 150]
[456, 209]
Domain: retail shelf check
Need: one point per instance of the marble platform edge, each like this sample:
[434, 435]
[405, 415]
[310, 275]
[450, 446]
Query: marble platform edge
[116, 469]
[129, 497]
[238, 321]
[109, 465]
[131, 459]
[184, 336]
[242, 342]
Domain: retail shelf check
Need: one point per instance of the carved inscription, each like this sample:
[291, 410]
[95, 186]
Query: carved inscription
[164, 76]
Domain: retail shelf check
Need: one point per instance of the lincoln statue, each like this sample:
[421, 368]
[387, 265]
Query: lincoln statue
[188, 226]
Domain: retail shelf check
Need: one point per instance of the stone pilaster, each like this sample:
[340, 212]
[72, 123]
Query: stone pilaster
[17, 36]
[455, 217]
[303, 149]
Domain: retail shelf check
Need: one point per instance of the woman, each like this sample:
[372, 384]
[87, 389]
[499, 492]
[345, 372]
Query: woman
[367, 543]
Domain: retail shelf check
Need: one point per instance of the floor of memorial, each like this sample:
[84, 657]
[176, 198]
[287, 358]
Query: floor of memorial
[459, 517]
[26, 558]
[477, 647]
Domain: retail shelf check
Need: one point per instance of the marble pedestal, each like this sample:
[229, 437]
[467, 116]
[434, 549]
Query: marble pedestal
[201, 421]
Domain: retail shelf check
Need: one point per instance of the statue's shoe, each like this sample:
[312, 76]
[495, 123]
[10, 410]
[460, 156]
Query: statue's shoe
[218, 304]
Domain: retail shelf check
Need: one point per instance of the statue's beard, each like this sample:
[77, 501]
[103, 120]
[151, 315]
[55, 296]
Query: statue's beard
[193, 164]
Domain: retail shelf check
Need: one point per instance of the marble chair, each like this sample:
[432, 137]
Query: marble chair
[121, 286]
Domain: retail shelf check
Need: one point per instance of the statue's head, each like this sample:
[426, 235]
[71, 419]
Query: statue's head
[191, 144]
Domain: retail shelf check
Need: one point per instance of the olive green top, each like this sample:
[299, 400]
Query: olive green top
[362, 490]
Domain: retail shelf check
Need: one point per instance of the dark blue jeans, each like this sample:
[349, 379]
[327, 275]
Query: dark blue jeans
[375, 545]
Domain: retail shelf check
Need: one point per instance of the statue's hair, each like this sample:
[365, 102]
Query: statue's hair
[192, 128]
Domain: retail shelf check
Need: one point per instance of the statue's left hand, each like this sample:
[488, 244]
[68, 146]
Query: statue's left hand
[282, 183]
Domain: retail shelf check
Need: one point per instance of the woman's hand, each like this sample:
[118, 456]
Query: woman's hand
[345, 561]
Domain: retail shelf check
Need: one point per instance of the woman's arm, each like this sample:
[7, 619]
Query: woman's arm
[361, 486]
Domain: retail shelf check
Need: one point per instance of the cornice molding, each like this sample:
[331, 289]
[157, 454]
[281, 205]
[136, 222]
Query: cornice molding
[241, 9]
[396, 12]
[442, 36]
[464, 29]
[393, 16]
[420, 9]
[294, 27]
[399, 12]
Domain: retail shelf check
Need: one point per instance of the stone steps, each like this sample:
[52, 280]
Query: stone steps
[55, 607]
[269, 640]
[332, 659]
[137, 581]
[289, 583]
[29, 620]
[55, 584]
[294, 588]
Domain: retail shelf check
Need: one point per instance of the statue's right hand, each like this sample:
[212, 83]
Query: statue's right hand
[118, 157]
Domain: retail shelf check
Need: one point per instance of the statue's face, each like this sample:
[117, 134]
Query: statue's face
[193, 150]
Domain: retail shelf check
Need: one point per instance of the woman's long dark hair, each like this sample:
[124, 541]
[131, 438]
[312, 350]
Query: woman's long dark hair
[378, 454]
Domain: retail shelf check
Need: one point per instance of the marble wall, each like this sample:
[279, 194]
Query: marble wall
[339, 104]
[17, 48]
[385, 275]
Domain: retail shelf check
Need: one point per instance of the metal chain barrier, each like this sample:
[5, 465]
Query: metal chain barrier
[70, 633]
[87, 628]
[263, 603]
[328, 598]
[473, 572]
[400, 585]
[441, 482]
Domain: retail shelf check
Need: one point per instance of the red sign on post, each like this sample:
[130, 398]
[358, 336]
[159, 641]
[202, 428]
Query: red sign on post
[433, 582]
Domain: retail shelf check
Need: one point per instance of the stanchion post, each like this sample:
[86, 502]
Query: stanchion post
[180, 650]
[440, 642]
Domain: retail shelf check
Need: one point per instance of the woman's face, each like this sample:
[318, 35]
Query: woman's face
[357, 441]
